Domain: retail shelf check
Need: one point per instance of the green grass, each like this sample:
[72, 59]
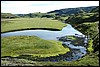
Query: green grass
[72, 37]
[77, 41]
[84, 17]
[92, 28]
[88, 28]
[30, 45]
[88, 60]
[27, 23]
[90, 46]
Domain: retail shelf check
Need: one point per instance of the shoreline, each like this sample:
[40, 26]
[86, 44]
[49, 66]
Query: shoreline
[51, 29]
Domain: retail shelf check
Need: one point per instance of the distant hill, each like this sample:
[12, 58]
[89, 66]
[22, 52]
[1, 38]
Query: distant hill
[51, 14]
[90, 16]
[8, 15]
[70, 11]
[96, 9]
[37, 14]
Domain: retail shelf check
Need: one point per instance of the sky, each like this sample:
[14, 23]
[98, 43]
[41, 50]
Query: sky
[25, 7]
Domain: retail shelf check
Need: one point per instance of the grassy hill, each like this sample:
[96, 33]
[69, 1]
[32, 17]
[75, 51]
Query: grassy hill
[69, 11]
[88, 24]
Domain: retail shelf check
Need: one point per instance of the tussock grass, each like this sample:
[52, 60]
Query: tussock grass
[30, 45]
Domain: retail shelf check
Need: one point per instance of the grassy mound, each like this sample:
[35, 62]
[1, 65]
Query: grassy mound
[30, 45]
[28, 23]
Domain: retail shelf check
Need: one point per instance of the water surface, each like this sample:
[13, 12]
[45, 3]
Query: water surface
[45, 34]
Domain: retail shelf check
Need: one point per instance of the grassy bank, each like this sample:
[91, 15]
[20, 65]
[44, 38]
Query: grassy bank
[28, 23]
[92, 61]
[30, 45]
[88, 28]
[90, 45]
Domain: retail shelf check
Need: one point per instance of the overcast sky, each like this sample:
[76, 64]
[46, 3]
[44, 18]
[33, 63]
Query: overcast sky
[25, 7]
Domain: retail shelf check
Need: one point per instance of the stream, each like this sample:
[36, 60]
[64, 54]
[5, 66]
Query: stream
[75, 53]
